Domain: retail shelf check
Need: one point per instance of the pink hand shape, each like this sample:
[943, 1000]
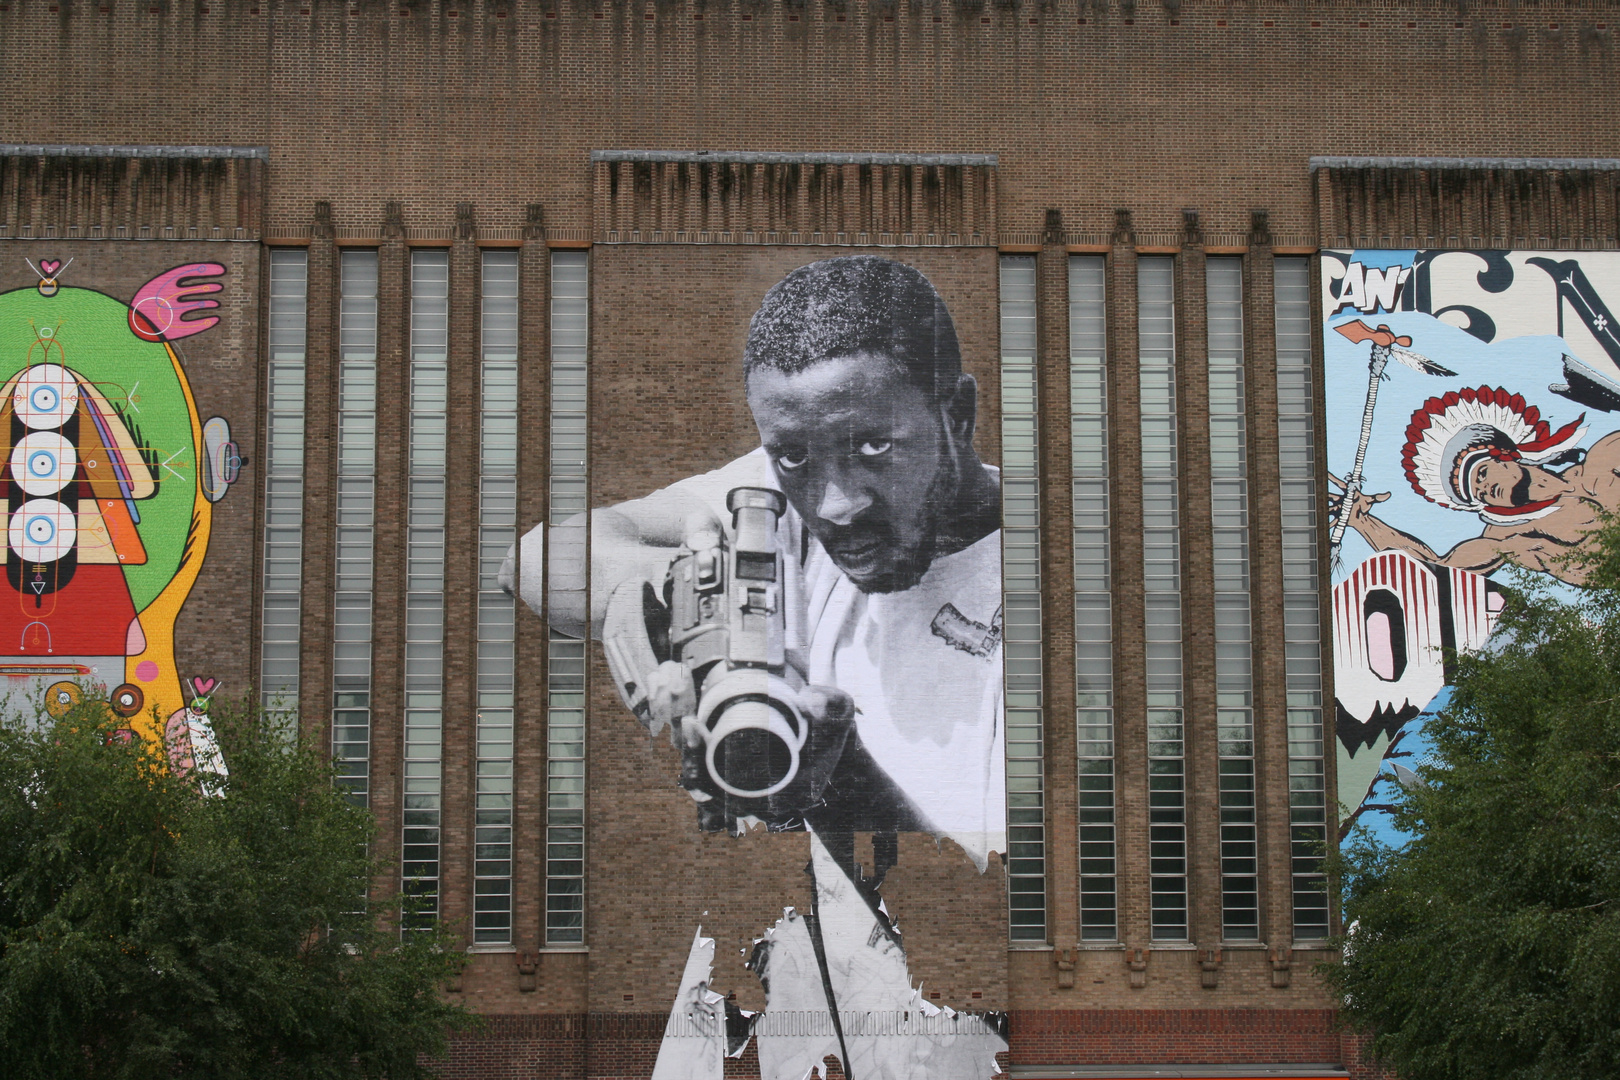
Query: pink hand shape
[158, 311]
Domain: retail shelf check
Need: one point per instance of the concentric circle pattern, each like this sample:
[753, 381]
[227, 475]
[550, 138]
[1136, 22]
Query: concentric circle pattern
[42, 530]
[43, 463]
[45, 396]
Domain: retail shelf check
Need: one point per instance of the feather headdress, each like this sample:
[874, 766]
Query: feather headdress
[1452, 435]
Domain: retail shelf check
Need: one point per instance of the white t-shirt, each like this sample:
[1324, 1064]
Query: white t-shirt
[923, 666]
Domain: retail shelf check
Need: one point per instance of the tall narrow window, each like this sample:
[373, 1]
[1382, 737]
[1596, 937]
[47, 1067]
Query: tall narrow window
[424, 586]
[1229, 521]
[1302, 604]
[356, 521]
[1021, 597]
[565, 674]
[497, 531]
[1093, 602]
[1161, 585]
[284, 480]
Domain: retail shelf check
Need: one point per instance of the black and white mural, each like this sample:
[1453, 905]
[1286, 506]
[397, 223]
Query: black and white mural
[815, 627]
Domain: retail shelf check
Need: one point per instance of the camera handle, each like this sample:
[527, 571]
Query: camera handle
[628, 647]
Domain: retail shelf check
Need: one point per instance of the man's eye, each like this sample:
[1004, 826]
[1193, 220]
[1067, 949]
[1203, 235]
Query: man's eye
[874, 447]
[791, 459]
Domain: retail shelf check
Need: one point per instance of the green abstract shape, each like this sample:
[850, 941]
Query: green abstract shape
[93, 330]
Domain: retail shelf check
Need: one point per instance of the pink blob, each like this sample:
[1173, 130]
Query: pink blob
[1380, 646]
[146, 671]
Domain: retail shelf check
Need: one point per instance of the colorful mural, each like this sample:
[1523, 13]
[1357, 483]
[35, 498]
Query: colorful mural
[1473, 423]
[110, 477]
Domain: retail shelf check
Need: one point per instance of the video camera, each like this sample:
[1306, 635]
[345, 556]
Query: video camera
[723, 618]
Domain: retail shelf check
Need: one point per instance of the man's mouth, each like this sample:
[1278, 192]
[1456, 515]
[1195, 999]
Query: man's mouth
[1521, 491]
[858, 550]
[872, 556]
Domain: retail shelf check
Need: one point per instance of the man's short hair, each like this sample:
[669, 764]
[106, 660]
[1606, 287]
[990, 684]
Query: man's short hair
[857, 305]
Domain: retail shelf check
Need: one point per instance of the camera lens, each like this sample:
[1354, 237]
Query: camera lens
[751, 757]
[754, 733]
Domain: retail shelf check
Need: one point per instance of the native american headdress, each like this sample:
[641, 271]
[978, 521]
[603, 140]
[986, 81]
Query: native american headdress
[1451, 436]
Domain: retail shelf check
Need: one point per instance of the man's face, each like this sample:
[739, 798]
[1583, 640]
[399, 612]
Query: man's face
[866, 458]
[1502, 483]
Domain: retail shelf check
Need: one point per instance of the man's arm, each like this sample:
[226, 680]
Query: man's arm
[1479, 554]
[637, 538]
[633, 539]
[1482, 554]
[1383, 536]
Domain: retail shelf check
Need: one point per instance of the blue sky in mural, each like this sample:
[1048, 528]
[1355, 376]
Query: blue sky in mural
[1400, 766]
[1523, 365]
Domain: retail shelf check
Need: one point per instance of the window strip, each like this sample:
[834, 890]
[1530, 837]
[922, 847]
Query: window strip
[1302, 605]
[565, 663]
[356, 522]
[424, 588]
[1161, 582]
[497, 531]
[282, 608]
[1229, 530]
[1093, 599]
[1021, 588]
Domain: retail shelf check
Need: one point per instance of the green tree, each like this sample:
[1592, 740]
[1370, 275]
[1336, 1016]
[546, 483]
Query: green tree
[150, 929]
[1489, 945]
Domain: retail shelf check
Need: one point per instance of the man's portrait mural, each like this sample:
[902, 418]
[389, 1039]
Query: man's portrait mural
[806, 611]
[110, 475]
[1473, 424]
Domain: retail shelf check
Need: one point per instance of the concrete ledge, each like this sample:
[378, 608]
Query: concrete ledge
[1155, 1072]
[84, 150]
[752, 157]
[1565, 164]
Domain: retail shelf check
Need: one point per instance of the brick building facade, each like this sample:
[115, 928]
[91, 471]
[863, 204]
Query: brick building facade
[640, 175]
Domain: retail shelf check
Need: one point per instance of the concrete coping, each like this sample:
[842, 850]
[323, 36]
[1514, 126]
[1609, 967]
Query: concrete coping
[1176, 1072]
[1566, 164]
[86, 150]
[753, 157]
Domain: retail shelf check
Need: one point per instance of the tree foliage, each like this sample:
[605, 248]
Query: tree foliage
[1489, 945]
[150, 929]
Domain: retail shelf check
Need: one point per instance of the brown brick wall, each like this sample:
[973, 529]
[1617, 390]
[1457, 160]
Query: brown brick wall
[320, 485]
[498, 104]
[608, 1047]
[1173, 1036]
[1159, 108]
[1057, 584]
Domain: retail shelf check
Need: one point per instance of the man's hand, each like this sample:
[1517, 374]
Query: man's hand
[830, 715]
[639, 538]
[1360, 510]
[671, 699]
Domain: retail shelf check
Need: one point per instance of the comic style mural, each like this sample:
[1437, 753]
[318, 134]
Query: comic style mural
[812, 618]
[110, 477]
[1473, 423]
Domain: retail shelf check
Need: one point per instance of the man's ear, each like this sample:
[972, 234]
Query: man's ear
[961, 409]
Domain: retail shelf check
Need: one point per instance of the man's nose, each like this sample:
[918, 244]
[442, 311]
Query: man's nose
[841, 502]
